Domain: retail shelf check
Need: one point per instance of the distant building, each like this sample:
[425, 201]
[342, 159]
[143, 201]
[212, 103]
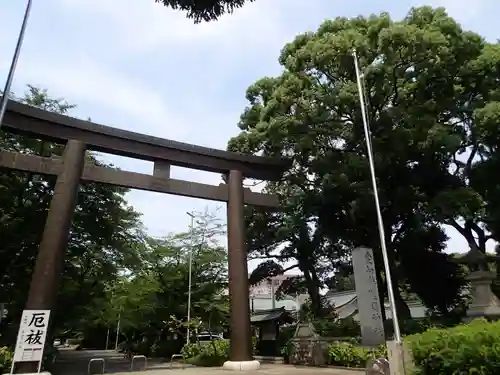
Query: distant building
[346, 305]
[265, 287]
[261, 295]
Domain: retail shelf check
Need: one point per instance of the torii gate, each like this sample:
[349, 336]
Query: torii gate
[80, 136]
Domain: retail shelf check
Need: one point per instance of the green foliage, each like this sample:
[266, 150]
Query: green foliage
[191, 350]
[204, 10]
[6, 357]
[214, 353]
[435, 140]
[466, 349]
[337, 327]
[351, 355]
[153, 300]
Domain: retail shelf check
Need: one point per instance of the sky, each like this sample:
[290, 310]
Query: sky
[139, 66]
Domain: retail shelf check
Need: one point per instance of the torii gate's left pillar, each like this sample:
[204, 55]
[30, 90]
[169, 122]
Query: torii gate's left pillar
[50, 260]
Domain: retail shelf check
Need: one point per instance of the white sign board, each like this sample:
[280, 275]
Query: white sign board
[370, 313]
[31, 336]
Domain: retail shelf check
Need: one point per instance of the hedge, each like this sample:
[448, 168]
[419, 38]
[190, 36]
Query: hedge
[214, 353]
[472, 348]
[346, 354]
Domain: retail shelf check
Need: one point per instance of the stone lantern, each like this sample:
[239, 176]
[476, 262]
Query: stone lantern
[484, 303]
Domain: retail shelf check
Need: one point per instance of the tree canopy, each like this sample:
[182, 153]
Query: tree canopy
[204, 10]
[153, 301]
[432, 101]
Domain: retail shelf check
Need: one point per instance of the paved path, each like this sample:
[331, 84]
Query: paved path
[71, 362]
[266, 369]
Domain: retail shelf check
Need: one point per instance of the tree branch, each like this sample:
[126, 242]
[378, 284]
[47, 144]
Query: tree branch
[480, 235]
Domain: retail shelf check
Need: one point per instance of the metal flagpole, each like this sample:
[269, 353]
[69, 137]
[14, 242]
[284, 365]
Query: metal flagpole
[390, 291]
[13, 64]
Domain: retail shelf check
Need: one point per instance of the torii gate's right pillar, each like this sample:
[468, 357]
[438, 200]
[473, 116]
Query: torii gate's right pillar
[240, 354]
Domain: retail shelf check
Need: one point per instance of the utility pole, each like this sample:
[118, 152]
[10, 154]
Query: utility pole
[191, 229]
[118, 331]
[107, 339]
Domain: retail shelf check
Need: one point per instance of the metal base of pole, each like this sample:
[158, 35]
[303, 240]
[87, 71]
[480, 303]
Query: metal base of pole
[241, 365]
[400, 360]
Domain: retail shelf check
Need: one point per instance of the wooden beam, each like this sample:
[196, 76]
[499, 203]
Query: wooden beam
[133, 180]
[34, 122]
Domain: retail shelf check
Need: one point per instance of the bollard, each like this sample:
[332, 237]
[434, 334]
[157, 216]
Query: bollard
[139, 357]
[100, 360]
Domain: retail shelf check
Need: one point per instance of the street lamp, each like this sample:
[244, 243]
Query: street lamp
[6, 91]
[190, 262]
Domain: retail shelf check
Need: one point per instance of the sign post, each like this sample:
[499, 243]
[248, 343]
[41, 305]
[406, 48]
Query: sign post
[31, 337]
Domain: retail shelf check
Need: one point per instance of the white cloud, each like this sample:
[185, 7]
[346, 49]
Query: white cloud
[85, 79]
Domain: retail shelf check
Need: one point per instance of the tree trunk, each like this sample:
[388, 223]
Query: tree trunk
[402, 308]
[311, 279]
[380, 285]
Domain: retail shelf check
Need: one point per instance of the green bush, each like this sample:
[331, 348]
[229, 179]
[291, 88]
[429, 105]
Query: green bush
[347, 327]
[191, 350]
[214, 353]
[349, 355]
[472, 348]
[5, 359]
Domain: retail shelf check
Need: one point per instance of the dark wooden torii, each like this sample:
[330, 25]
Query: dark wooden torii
[72, 168]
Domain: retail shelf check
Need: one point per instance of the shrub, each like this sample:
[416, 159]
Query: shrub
[347, 327]
[214, 353]
[191, 350]
[5, 359]
[349, 355]
[472, 348]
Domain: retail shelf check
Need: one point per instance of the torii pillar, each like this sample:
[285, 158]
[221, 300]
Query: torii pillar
[240, 354]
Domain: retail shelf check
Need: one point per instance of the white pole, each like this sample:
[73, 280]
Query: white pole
[298, 306]
[390, 291]
[118, 331]
[107, 339]
[273, 294]
[10, 77]
[189, 276]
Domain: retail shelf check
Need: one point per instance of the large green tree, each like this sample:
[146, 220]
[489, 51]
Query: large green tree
[103, 237]
[430, 91]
